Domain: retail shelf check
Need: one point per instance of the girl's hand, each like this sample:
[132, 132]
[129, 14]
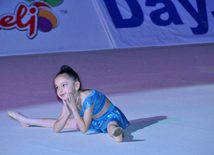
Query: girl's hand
[68, 110]
[71, 102]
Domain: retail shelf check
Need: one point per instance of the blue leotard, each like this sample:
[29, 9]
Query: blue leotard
[113, 113]
[96, 98]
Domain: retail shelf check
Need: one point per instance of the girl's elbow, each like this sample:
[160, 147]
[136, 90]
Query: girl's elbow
[84, 130]
[56, 130]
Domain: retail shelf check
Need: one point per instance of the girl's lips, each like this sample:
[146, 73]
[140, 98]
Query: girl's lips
[62, 95]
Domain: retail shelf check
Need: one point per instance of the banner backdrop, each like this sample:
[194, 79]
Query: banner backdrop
[46, 26]
[137, 23]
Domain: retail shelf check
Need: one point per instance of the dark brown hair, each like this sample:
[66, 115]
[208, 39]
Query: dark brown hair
[65, 69]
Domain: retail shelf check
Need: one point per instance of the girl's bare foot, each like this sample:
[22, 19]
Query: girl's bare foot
[18, 116]
[118, 134]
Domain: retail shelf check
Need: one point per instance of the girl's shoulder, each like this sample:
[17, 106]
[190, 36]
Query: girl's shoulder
[87, 92]
[91, 95]
[87, 97]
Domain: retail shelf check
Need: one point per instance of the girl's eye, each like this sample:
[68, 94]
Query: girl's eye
[64, 85]
[56, 88]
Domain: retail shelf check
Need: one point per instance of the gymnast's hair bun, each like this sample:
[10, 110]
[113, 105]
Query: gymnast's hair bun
[65, 68]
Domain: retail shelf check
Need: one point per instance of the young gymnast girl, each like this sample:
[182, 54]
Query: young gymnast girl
[91, 110]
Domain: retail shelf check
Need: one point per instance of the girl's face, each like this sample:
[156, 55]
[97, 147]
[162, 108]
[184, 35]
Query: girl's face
[64, 85]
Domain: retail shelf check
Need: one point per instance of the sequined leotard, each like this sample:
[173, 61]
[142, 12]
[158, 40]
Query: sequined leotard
[113, 113]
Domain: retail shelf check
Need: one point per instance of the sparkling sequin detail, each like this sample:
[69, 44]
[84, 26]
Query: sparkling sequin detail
[113, 114]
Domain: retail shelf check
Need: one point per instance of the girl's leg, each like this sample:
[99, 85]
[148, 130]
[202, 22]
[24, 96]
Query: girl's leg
[42, 122]
[115, 131]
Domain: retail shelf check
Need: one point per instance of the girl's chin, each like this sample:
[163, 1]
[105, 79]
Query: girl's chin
[62, 98]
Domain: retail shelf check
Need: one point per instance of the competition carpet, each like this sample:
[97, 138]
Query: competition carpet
[165, 92]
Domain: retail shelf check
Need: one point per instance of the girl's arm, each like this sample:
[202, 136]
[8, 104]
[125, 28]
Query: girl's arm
[85, 122]
[61, 121]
